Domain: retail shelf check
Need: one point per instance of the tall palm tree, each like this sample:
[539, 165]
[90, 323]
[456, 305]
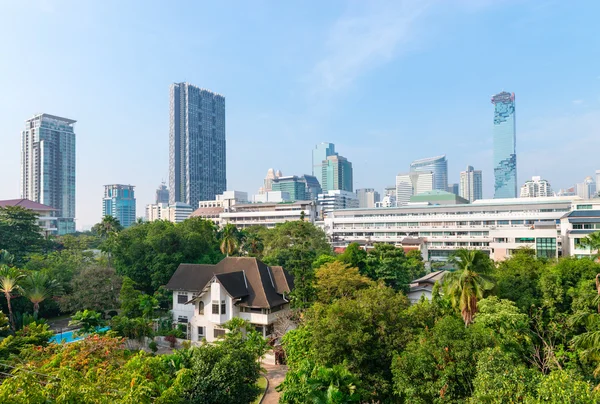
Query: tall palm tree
[253, 244]
[589, 341]
[593, 242]
[37, 287]
[466, 286]
[6, 258]
[229, 239]
[108, 226]
[9, 284]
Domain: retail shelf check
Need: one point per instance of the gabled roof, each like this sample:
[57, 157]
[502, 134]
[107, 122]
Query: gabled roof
[27, 204]
[430, 278]
[242, 277]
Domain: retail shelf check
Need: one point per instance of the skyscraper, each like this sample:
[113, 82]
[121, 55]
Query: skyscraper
[587, 189]
[438, 166]
[536, 187]
[119, 202]
[319, 155]
[505, 139]
[292, 184]
[337, 174]
[197, 157]
[412, 183]
[367, 197]
[162, 194]
[471, 184]
[48, 166]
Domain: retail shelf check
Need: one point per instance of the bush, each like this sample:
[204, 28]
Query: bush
[153, 346]
[171, 339]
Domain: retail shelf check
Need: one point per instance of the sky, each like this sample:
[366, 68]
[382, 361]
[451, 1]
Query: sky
[387, 82]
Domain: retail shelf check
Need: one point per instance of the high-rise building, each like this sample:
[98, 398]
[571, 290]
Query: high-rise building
[438, 166]
[336, 199]
[389, 198]
[587, 189]
[536, 187]
[454, 188]
[471, 184]
[293, 185]
[319, 155]
[48, 166]
[367, 197]
[505, 140]
[313, 187]
[412, 183]
[197, 155]
[162, 194]
[268, 181]
[119, 202]
[337, 174]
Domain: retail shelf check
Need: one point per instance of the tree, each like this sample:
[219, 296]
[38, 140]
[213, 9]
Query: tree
[229, 239]
[20, 232]
[130, 299]
[592, 241]
[9, 284]
[93, 287]
[37, 287]
[336, 280]
[517, 279]
[107, 227]
[387, 263]
[467, 285]
[252, 245]
[88, 320]
[355, 257]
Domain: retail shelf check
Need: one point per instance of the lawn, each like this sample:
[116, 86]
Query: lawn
[262, 383]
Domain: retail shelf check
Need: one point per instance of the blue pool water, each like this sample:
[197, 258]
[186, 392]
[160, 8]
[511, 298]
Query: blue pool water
[69, 336]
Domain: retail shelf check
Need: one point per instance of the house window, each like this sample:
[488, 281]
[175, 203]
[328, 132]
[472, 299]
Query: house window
[201, 308]
[219, 333]
[200, 333]
[182, 319]
[223, 307]
[182, 298]
[215, 307]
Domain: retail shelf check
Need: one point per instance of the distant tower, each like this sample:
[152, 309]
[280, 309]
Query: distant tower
[505, 140]
[319, 155]
[119, 202]
[471, 185]
[536, 187]
[438, 166]
[412, 183]
[162, 194]
[337, 174]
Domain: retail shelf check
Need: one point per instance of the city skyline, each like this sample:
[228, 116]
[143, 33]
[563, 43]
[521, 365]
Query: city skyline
[332, 91]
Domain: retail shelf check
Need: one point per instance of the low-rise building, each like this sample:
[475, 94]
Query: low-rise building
[205, 297]
[176, 212]
[437, 197]
[272, 197]
[212, 214]
[269, 214]
[424, 286]
[580, 222]
[47, 219]
[336, 199]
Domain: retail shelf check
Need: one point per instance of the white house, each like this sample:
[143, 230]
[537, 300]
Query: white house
[207, 296]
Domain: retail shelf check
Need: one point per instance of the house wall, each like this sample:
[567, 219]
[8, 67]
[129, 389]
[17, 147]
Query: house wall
[182, 310]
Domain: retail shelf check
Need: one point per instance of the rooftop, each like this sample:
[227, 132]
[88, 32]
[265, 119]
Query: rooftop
[27, 204]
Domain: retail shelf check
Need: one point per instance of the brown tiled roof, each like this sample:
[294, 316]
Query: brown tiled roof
[265, 286]
[200, 212]
[27, 204]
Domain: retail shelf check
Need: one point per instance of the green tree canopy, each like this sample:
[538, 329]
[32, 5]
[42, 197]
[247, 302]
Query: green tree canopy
[20, 232]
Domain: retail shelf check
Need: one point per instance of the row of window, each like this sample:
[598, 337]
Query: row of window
[435, 224]
[580, 226]
[492, 212]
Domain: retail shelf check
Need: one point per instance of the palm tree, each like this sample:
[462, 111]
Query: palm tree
[593, 242]
[9, 284]
[6, 258]
[229, 239]
[108, 226]
[466, 286]
[589, 341]
[253, 244]
[37, 287]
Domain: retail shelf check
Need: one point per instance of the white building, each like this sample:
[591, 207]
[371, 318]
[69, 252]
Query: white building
[272, 197]
[413, 183]
[536, 187]
[583, 220]
[225, 200]
[175, 213]
[587, 189]
[497, 227]
[336, 199]
[207, 296]
[269, 214]
[471, 184]
[367, 197]
[47, 219]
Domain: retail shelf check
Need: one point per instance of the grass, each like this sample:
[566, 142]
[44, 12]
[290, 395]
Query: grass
[262, 384]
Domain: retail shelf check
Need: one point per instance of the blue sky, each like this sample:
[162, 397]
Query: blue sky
[387, 82]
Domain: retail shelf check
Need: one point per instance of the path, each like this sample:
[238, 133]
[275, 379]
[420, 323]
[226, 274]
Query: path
[275, 374]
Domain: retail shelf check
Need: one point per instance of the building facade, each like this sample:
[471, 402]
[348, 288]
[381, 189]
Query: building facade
[536, 187]
[48, 166]
[412, 183]
[197, 152]
[471, 184]
[337, 199]
[319, 155]
[313, 187]
[47, 219]
[505, 140]
[436, 165]
[176, 212]
[367, 197]
[119, 202]
[454, 188]
[295, 186]
[586, 189]
[162, 194]
[269, 214]
[337, 174]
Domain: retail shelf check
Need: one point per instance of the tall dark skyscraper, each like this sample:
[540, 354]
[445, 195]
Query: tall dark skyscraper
[162, 194]
[197, 150]
[505, 141]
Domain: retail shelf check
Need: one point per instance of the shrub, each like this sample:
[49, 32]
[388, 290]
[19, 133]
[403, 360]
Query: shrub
[171, 339]
[153, 346]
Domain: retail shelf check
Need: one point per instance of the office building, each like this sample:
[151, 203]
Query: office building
[319, 155]
[436, 165]
[367, 197]
[175, 213]
[412, 183]
[162, 194]
[337, 174]
[471, 184]
[536, 187]
[454, 188]
[295, 186]
[197, 152]
[587, 189]
[272, 197]
[119, 202]
[225, 200]
[48, 166]
[336, 199]
[157, 211]
[505, 139]
[313, 187]
[268, 181]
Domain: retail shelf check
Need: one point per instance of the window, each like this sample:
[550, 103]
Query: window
[215, 307]
[219, 333]
[223, 307]
[182, 298]
[182, 319]
[584, 206]
[201, 308]
[577, 226]
[200, 333]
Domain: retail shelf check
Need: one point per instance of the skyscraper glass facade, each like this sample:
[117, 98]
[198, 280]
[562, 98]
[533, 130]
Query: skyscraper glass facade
[438, 166]
[292, 184]
[319, 155]
[337, 174]
[48, 166]
[119, 202]
[197, 154]
[505, 155]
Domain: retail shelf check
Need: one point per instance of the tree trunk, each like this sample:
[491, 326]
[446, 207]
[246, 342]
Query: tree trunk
[10, 312]
[36, 309]
[598, 288]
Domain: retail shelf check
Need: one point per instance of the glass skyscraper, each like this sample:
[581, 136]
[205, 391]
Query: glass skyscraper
[119, 202]
[337, 174]
[48, 166]
[319, 155]
[505, 139]
[438, 166]
[197, 157]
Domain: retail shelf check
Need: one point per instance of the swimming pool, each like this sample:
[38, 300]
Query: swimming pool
[69, 336]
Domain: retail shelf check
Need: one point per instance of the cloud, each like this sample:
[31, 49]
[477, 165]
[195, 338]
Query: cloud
[364, 38]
